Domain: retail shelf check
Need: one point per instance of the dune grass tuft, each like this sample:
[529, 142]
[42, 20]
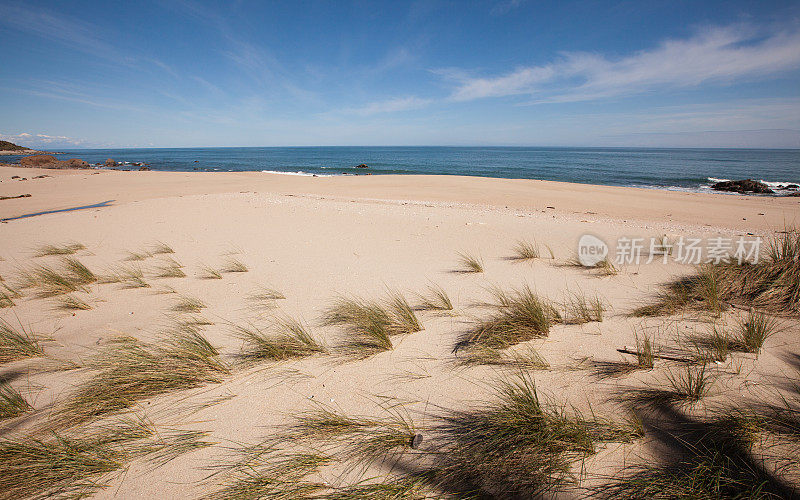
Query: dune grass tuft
[265, 294]
[209, 273]
[525, 250]
[527, 359]
[6, 298]
[131, 277]
[188, 304]
[233, 265]
[72, 303]
[519, 315]
[754, 331]
[12, 403]
[359, 439]
[435, 300]
[49, 282]
[17, 343]
[470, 263]
[370, 324]
[132, 370]
[691, 383]
[520, 445]
[161, 248]
[286, 339]
[578, 309]
[168, 267]
[65, 249]
[771, 284]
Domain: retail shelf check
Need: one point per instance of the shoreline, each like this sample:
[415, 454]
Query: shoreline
[85, 187]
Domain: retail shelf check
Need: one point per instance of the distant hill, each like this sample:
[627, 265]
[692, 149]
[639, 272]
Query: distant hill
[10, 146]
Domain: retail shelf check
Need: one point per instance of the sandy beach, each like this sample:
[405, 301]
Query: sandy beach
[318, 239]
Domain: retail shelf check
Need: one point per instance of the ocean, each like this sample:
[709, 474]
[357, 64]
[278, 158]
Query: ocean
[677, 169]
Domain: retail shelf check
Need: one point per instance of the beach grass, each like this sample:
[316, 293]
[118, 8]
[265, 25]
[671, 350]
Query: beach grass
[72, 277]
[519, 315]
[70, 302]
[265, 294]
[63, 249]
[754, 331]
[17, 343]
[168, 267]
[233, 265]
[161, 248]
[469, 263]
[525, 250]
[286, 339]
[131, 277]
[363, 440]
[209, 273]
[12, 403]
[187, 304]
[370, 324]
[525, 359]
[7, 298]
[131, 370]
[519, 445]
[436, 299]
[772, 284]
[689, 383]
[580, 309]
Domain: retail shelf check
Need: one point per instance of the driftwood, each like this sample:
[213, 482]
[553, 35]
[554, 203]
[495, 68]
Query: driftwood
[628, 350]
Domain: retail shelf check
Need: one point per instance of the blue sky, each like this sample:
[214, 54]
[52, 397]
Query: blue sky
[180, 73]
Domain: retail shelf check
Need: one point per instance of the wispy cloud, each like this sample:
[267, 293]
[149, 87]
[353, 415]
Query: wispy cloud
[505, 6]
[389, 106]
[38, 141]
[715, 55]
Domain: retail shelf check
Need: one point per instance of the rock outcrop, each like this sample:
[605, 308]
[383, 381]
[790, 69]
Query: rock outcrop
[50, 161]
[743, 186]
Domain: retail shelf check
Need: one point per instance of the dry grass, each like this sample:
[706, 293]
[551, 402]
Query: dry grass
[161, 248]
[754, 331]
[12, 404]
[286, 339]
[168, 268]
[435, 300]
[131, 370]
[518, 446]
[233, 265]
[71, 303]
[527, 359]
[17, 343]
[138, 256]
[772, 284]
[518, 316]
[578, 309]
[370, 324]
[469, 263]
[265, 294]
[65, 249]
[689, 383]
[209, 273]
[526, 251]
[362, 440]
[7, 297]
[73, 276]
[188, 304]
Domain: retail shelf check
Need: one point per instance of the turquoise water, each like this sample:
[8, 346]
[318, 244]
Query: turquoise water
[686, 169]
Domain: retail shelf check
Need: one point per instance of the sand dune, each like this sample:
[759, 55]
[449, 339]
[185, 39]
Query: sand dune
[316, 240]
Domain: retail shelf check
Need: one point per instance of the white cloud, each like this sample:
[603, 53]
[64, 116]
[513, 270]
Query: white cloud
[715, 55]
[42, 141]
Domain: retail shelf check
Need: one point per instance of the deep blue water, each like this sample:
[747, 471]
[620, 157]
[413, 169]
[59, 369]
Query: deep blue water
[659, 168]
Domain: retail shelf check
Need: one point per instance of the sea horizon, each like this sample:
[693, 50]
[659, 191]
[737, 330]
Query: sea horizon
[685, 169]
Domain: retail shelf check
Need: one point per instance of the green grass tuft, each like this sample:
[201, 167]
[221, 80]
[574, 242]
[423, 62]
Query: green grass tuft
[65, 249]
[518, 316]
[470, 264]
[287, 339]
[435, 300]
[168, 267]
[12, 404]
[17, 343]
[526, 251]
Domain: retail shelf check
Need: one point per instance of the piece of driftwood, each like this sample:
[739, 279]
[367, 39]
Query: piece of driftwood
[628, 350]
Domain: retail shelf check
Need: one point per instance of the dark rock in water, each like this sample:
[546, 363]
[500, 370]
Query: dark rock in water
[110, 163]
[363, 165]
[796, 194]
[743, 186]
[792, 186]
[50, 161]
[144, 168]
